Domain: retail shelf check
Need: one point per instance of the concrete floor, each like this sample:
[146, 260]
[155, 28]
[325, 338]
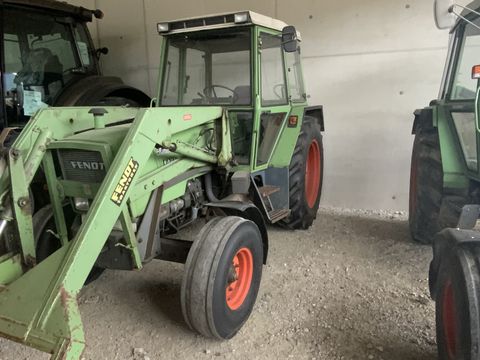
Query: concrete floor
[354, 286]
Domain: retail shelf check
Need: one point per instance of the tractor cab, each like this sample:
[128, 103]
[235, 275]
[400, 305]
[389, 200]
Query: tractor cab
[48, 58]
[43, 52]
[245, 62]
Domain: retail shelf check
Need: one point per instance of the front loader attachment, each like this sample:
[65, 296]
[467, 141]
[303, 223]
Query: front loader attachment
[38, 302]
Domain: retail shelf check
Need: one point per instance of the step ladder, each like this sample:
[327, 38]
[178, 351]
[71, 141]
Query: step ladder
[274, 215]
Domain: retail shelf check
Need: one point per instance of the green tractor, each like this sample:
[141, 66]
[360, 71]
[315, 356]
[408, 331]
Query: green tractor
[231, 143]
[445, 185]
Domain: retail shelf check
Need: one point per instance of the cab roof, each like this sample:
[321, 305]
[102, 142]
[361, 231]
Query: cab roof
[216, 21]
[78, 12]
[474, 5]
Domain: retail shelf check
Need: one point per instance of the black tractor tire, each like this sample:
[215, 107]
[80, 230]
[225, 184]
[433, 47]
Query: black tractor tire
[222, 277]
[117, 101]
[457, 305]
[305, 176]
[431, 208]
[46, 243]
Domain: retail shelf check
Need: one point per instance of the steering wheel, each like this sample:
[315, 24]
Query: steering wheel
[209, 90]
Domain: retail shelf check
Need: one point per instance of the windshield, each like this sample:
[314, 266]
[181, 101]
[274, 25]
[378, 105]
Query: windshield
[41, 55]
[208, 68]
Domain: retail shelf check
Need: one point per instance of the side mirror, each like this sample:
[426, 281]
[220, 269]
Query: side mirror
[289, 39]
[98, 14]
[444, 16]
[101, 51]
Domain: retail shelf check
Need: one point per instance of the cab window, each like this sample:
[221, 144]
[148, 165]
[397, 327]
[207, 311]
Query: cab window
[295, 76]
[463, 86]
[274, 90]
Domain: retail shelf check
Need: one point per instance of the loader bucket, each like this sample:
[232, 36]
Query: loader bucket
[56, 328]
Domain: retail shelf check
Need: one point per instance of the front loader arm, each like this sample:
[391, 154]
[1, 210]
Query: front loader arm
[40, 309]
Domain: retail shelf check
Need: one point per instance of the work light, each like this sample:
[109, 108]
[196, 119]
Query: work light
[162, 27]
[241, 18]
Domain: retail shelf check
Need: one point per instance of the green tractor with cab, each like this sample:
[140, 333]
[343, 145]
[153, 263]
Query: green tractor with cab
[445, 185]
[230, 142]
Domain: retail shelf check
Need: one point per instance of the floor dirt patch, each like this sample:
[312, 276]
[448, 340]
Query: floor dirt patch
[354, 286]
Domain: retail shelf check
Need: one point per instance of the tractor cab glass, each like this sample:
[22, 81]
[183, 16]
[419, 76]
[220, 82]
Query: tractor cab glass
[208, 68]
[42, 54]
[463, 89]
[463, 86]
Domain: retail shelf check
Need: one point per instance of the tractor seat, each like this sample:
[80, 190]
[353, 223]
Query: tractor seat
[41, 68]
[242, 95]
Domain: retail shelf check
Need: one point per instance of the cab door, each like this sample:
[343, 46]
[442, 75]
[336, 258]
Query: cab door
[458, 107]
[272, 104]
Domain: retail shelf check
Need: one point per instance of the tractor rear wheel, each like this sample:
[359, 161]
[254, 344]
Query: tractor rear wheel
[117, 101]
[457, 305]
[222, 277]
[306, 176]
[431, 209]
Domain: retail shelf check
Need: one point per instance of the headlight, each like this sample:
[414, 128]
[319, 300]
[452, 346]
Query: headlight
[81, 204]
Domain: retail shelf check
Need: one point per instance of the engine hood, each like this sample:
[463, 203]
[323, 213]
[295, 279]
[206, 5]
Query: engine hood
[111, 136]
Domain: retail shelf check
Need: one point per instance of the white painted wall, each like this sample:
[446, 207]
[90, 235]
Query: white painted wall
[371, 63]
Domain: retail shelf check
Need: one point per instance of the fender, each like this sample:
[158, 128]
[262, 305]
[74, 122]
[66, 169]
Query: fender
[249, 212]
[435, 117]
[450, 242]
[92, 89]
[317, 113]
[423, 119]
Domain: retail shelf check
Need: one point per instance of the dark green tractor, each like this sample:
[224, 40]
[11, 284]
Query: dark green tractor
[445, 185]
[48, 58]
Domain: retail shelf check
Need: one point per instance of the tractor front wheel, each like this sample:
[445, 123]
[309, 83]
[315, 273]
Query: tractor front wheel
[306, 176]
[457, 306]
[46, 240]
[222, 277]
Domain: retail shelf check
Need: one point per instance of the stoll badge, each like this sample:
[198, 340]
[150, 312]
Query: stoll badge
[125, 182]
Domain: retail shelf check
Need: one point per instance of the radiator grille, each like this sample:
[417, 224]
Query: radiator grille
[82, 165]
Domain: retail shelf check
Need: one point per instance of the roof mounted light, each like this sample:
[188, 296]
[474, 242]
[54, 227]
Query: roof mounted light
[241, 18]
[163, 28]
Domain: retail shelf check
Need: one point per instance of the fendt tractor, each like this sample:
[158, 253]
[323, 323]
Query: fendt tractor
[230, 144]
[445, 185]
[47, 58]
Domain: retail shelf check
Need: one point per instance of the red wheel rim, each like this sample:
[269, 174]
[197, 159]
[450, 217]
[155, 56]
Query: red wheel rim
[239, 285]
[413, 185]
[449, 321]
[312, 174]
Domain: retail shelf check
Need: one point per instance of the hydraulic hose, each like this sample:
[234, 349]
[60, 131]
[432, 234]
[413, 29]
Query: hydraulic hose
[208, 188]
